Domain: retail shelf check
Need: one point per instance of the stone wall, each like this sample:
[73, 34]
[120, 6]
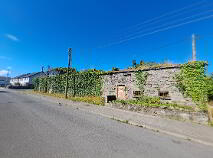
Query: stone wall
[162, 79]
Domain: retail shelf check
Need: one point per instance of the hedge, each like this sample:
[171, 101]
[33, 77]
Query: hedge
[87, 83]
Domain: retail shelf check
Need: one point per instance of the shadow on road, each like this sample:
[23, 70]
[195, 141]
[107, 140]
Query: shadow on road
[3, 92]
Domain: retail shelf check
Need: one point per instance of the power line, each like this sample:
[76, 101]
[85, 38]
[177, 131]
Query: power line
[147, 26]
[160, 30]
[167, 45]
[171, 44]
[167, 24]
[166, 14]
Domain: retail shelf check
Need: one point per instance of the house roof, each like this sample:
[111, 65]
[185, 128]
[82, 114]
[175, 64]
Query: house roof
[4, 78]
[28, 75]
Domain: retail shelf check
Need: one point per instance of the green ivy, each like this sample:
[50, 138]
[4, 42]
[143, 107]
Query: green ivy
[88, 83]
[209, 81]
[141, 78]
[192, 81]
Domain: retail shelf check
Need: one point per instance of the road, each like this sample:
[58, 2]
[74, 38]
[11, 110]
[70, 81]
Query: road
[31, 128]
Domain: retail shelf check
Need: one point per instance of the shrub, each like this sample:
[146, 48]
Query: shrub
[115, 69]
[192, 81]
[154, 102]
[150, 100]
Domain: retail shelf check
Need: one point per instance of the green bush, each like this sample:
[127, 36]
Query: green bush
[192, 81]
[150, 100]
[153, 102]
[115, 69]
[209, 82]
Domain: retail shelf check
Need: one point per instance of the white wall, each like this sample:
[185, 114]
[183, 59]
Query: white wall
[24, 81]
[14, 81]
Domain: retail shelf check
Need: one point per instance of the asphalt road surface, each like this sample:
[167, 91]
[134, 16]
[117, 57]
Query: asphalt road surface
[31, 128]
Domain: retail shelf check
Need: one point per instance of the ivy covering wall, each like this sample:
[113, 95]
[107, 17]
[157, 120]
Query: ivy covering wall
[141, 78]
[87, 83]
[192, 81]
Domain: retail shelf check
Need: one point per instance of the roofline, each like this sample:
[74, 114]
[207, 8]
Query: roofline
[146, 69]
[24, 75]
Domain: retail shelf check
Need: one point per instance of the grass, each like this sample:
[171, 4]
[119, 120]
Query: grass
[210, 114]
[211, 124]
[211, 103]
[154, 102]
[88, 99]
[122, 121]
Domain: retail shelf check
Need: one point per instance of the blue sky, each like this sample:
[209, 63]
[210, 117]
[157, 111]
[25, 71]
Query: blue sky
[38, 33]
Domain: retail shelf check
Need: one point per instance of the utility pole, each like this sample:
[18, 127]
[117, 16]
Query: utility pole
[68, 67]
[7, 79]
[193, 47]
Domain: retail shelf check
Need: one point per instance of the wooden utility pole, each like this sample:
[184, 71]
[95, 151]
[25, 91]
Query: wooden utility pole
[193, 47]
[7, 79]
[68, 67]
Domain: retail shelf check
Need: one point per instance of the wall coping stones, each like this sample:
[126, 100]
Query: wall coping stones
[142, 69]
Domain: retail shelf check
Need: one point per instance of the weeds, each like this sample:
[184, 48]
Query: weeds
[154, 102]
[88, 99]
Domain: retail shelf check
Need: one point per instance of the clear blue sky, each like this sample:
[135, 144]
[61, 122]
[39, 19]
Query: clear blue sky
[39, 32]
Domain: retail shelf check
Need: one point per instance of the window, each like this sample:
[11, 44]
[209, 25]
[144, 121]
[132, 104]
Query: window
[126, 74]
[163, 94]
[136, 93]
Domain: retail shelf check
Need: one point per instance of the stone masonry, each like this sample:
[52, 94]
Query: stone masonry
[123, 85]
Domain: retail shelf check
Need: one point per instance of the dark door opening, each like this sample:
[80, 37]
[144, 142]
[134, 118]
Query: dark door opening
[110, 98]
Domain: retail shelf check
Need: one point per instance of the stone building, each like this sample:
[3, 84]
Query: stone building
[160, 82]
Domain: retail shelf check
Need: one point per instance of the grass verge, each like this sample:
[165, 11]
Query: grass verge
[210, 115]
[88, 99]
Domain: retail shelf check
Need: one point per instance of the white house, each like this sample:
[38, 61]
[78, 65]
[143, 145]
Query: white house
[25, 79]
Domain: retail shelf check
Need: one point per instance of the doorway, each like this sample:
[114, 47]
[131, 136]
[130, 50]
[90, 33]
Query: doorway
[121, 94]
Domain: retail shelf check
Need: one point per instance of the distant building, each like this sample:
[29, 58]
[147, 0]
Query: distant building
[53, 72]
[25, 79]
[4, 81]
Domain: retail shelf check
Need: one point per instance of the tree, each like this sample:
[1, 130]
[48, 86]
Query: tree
[115, 69]
[134, 63]
[210, 87]
[142, 62]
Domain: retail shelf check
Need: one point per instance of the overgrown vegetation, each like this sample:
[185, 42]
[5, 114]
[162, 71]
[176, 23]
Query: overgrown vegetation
[143, 63]
[150, 65]
[115, 69]
[209, 82]
[154, 102]
[193, 82]
[210, 114]
[141, 78]
[87, 83]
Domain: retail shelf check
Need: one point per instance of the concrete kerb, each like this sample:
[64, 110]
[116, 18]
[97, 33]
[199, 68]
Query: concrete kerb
[100, 111]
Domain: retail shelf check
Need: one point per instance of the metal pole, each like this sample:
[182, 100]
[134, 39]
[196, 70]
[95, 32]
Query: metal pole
[7, 79]
[69, 63]
[193, 47]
